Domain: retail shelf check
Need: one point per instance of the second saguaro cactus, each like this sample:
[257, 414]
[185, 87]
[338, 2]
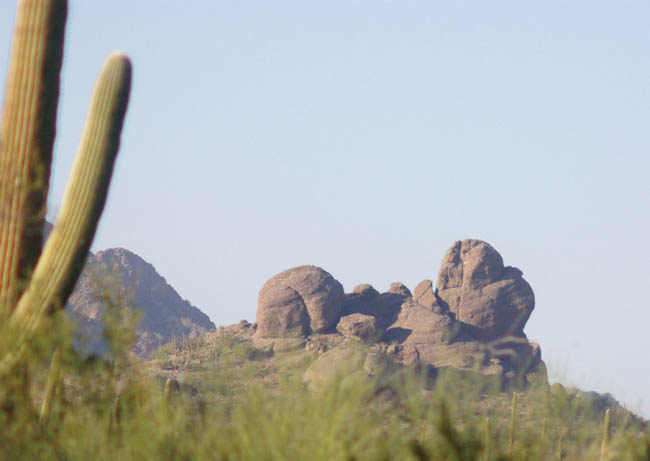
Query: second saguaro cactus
[33, 280]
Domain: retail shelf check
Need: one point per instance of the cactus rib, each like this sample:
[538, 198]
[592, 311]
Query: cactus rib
[32, 283]
[27, 131]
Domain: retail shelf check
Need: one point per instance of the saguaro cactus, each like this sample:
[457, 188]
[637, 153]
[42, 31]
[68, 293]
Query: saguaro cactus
[35, 280]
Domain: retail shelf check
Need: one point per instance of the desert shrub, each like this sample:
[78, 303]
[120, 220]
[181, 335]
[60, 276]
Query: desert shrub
[110, 408]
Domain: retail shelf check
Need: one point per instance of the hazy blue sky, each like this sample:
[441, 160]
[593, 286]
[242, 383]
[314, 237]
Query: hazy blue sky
[367, 136]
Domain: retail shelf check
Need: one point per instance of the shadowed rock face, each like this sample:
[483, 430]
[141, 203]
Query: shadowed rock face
[123, 277]
[365, 300]
[493, 300]
[298, 301]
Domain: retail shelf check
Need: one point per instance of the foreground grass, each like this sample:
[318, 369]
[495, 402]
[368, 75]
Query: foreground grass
[241, 403]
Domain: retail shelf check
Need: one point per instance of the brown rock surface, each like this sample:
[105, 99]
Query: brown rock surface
[365, 300]
[365, 290]
[398, 288]
[423, 294]
[298, 301]
[281, 312]
[462, 355]
[432, 337]
[492, 299]
[360, 326]
[417, 325]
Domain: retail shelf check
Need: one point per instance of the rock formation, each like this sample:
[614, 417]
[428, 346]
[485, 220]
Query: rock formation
[471, 321]
[365, 300]
[493, 300]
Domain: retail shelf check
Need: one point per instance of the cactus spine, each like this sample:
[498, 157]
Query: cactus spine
[33, 282]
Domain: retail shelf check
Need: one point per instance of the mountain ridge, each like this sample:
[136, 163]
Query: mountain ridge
[118, 275]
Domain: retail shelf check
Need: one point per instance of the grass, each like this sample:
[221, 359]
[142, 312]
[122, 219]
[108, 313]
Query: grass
[239, 402]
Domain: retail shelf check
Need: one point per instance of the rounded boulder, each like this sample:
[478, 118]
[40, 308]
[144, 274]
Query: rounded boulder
[299, 301]
[493, 300]
[360, 326]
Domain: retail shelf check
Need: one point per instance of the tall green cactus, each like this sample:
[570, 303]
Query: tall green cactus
[36, 280]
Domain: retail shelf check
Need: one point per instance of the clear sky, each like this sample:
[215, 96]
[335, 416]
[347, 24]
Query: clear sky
[367, 136]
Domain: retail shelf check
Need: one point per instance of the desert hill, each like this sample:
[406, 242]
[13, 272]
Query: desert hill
[470, 321]
[121, 277]
[467, 327]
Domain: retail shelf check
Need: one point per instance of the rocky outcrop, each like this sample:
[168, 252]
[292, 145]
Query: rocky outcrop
[117, 278]
[417, 325]
[472, 320]
[492, 300]
[424, 295]
[384, 307]
[398, 288]
[359, 326]
[437, 340]
[297, 302]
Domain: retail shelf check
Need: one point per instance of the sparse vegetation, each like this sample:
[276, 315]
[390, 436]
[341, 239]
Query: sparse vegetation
[217, 396]
[223, 404]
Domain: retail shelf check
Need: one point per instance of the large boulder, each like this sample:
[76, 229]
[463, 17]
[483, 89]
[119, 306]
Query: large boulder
[493, 300]
[359, 326]
[299, 301]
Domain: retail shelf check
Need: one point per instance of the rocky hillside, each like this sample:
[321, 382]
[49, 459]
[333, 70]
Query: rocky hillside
[118, 276]
[464, 331]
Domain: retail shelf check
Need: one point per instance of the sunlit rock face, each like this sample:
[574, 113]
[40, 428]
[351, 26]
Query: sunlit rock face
[493, 300]
[299, 301]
